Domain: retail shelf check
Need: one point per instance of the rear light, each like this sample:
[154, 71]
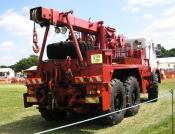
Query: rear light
[98, 91]
[31, 92]
[93, 90]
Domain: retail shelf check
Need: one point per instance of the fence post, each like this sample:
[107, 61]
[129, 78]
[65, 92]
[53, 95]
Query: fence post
[172, 93]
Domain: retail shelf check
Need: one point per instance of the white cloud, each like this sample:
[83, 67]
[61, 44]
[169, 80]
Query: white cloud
[145, 2]
[26, 9]
[23, 50]
[7, 46]
[21, 28]
[135, 18]
[165, 24]
[148, 16]
[163, 31]
[11, 60]
[169, 11]
[130, 8]
[15, 23]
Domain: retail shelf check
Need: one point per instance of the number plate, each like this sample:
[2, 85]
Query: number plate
[96, 58]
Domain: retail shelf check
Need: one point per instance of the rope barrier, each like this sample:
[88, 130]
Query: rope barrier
[100, 116]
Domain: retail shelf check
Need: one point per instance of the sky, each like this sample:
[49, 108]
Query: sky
[133, 18]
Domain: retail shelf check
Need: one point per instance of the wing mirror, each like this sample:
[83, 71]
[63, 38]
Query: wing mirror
[158, 47]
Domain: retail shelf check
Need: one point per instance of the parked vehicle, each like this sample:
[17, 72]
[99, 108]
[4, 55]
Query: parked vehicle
[93, 70]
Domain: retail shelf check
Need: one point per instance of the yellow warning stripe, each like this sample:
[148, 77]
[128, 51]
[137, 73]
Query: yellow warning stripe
[76, 80]
[33, 81]
[91, 100]
[27, 82]
[31, 99]
[40, 81]
[92, 79]
[81, 79]
[98, 78]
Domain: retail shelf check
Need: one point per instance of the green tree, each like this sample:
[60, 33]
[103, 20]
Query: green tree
[162, 52]
[25, 63]
[4, 66]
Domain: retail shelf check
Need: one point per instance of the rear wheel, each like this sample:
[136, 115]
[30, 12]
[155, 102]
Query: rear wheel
[117, 102]
[132, 95]
[52, 115]
[153, 91]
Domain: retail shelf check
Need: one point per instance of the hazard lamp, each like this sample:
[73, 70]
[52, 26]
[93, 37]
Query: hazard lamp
[93, 90]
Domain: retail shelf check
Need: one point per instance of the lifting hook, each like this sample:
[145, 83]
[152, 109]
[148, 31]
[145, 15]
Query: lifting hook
[36, 48]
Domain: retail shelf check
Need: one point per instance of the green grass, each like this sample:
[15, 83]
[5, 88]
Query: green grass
[153, 118]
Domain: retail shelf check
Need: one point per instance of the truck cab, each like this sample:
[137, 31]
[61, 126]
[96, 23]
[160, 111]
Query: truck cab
[148, 45]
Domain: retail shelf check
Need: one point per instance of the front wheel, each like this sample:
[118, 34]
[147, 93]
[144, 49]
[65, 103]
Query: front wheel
[132, 95]
[117, 102]
[153, 91]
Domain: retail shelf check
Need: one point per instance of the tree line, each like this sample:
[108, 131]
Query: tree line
[24, 63]
[162, 52]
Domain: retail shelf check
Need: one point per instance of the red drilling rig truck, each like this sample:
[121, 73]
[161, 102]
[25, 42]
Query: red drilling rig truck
[93, 70]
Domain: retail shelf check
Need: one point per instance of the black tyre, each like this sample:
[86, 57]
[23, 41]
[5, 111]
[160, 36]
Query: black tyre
[63, 49]
[52, 115]
[117, 102]
[153, 91]
[132, 95]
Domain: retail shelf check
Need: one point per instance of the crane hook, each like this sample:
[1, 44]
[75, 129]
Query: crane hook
[36, 48]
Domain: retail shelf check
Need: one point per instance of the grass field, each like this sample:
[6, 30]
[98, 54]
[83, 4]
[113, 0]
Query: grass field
[153, 118]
